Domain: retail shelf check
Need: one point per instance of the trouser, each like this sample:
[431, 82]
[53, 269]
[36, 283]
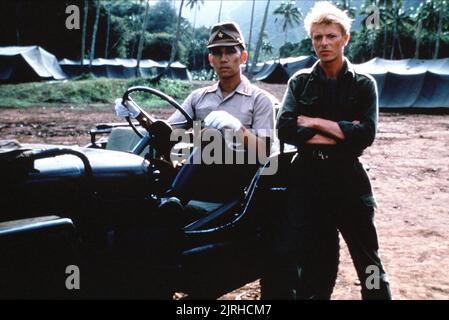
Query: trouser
[214, 182]
[324, 199]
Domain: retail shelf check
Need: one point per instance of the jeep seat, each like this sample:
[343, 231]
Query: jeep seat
[124, 139]
[35, 255]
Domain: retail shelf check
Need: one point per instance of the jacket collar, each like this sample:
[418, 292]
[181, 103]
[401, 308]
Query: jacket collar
[347, 71]
[243, 88]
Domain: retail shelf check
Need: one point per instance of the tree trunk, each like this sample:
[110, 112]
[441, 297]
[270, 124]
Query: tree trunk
[250, 36]
[18, 19]
[219, 11]
[108, 26]
[384, 52]
[193, 35]
[174, 48]
[94, 34]
[398, 40]
[387, 6]
[83, 34]
[194, 17]
[373, 43]
[259, 41]
[436, 53]
[396, 36]
[393, 42]
[142, 39]
[418, 37]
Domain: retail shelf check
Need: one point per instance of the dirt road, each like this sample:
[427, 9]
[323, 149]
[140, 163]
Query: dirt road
[409, 168]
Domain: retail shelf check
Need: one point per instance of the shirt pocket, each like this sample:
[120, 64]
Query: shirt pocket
[307, 105]
[246, 119]
[202, 112]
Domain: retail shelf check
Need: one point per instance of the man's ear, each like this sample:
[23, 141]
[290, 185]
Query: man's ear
[244, 56]
[346, 38]
[209, 57]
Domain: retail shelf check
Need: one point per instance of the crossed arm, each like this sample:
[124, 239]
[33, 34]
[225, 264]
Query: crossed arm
[329, 130]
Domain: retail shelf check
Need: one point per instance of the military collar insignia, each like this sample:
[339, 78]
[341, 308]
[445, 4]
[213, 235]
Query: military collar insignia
[244, 87]
[212, 88]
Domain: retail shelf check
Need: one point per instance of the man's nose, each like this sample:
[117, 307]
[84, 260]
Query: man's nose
[223, 55]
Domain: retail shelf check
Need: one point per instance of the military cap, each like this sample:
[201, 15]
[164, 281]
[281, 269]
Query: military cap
[225, 34]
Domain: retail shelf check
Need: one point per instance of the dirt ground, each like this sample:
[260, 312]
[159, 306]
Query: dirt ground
[408, 165]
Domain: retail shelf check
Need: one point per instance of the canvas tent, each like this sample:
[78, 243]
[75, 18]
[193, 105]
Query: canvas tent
[279, 71]
[30, 63]
[410, 83]
[407, 83]
[124, 68]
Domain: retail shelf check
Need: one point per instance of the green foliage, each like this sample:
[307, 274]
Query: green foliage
[125, 8]
[82, 92]
[203, 75]
[197, 53]
[161, 18]
[290, 14]
[118, 39]
[302, 48]
[158, 47]
[345, 5]
[402, 31]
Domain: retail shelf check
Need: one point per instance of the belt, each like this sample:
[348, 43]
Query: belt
[318, 154]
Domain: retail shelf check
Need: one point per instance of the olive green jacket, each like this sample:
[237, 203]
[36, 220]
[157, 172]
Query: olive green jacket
[352, 96]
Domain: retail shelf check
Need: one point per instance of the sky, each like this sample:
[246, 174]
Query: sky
[240, 12]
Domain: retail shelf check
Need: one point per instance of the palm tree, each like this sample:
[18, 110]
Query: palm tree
[250, 35]
[219, 11]
[398, 20]
[345, 5]
[142, 38]
[430, 17]
[108, 26]
[192, 4]
[440, 8]
[384, 8]
[18, 19]
[396, 37]
[291, 14]
[260, 40]
[420, 15]
[373, 31]
[83, 34]
[94, 34]
[174, 48]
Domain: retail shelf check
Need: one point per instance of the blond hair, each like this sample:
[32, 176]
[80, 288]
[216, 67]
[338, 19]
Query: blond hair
[324, 12]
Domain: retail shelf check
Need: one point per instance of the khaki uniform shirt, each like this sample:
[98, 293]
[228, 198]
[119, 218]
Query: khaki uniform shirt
[248, 103]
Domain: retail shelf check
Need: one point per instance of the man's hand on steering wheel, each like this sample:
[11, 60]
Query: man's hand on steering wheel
[221, 120]
[126, 108]
[228, 125]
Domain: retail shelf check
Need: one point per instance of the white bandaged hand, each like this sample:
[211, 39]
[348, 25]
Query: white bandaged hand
[222, 120]
[127, 110]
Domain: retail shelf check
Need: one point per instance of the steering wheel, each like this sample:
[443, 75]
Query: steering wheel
[159, 130]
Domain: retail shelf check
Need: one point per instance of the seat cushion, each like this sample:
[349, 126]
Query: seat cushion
[124, 139]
